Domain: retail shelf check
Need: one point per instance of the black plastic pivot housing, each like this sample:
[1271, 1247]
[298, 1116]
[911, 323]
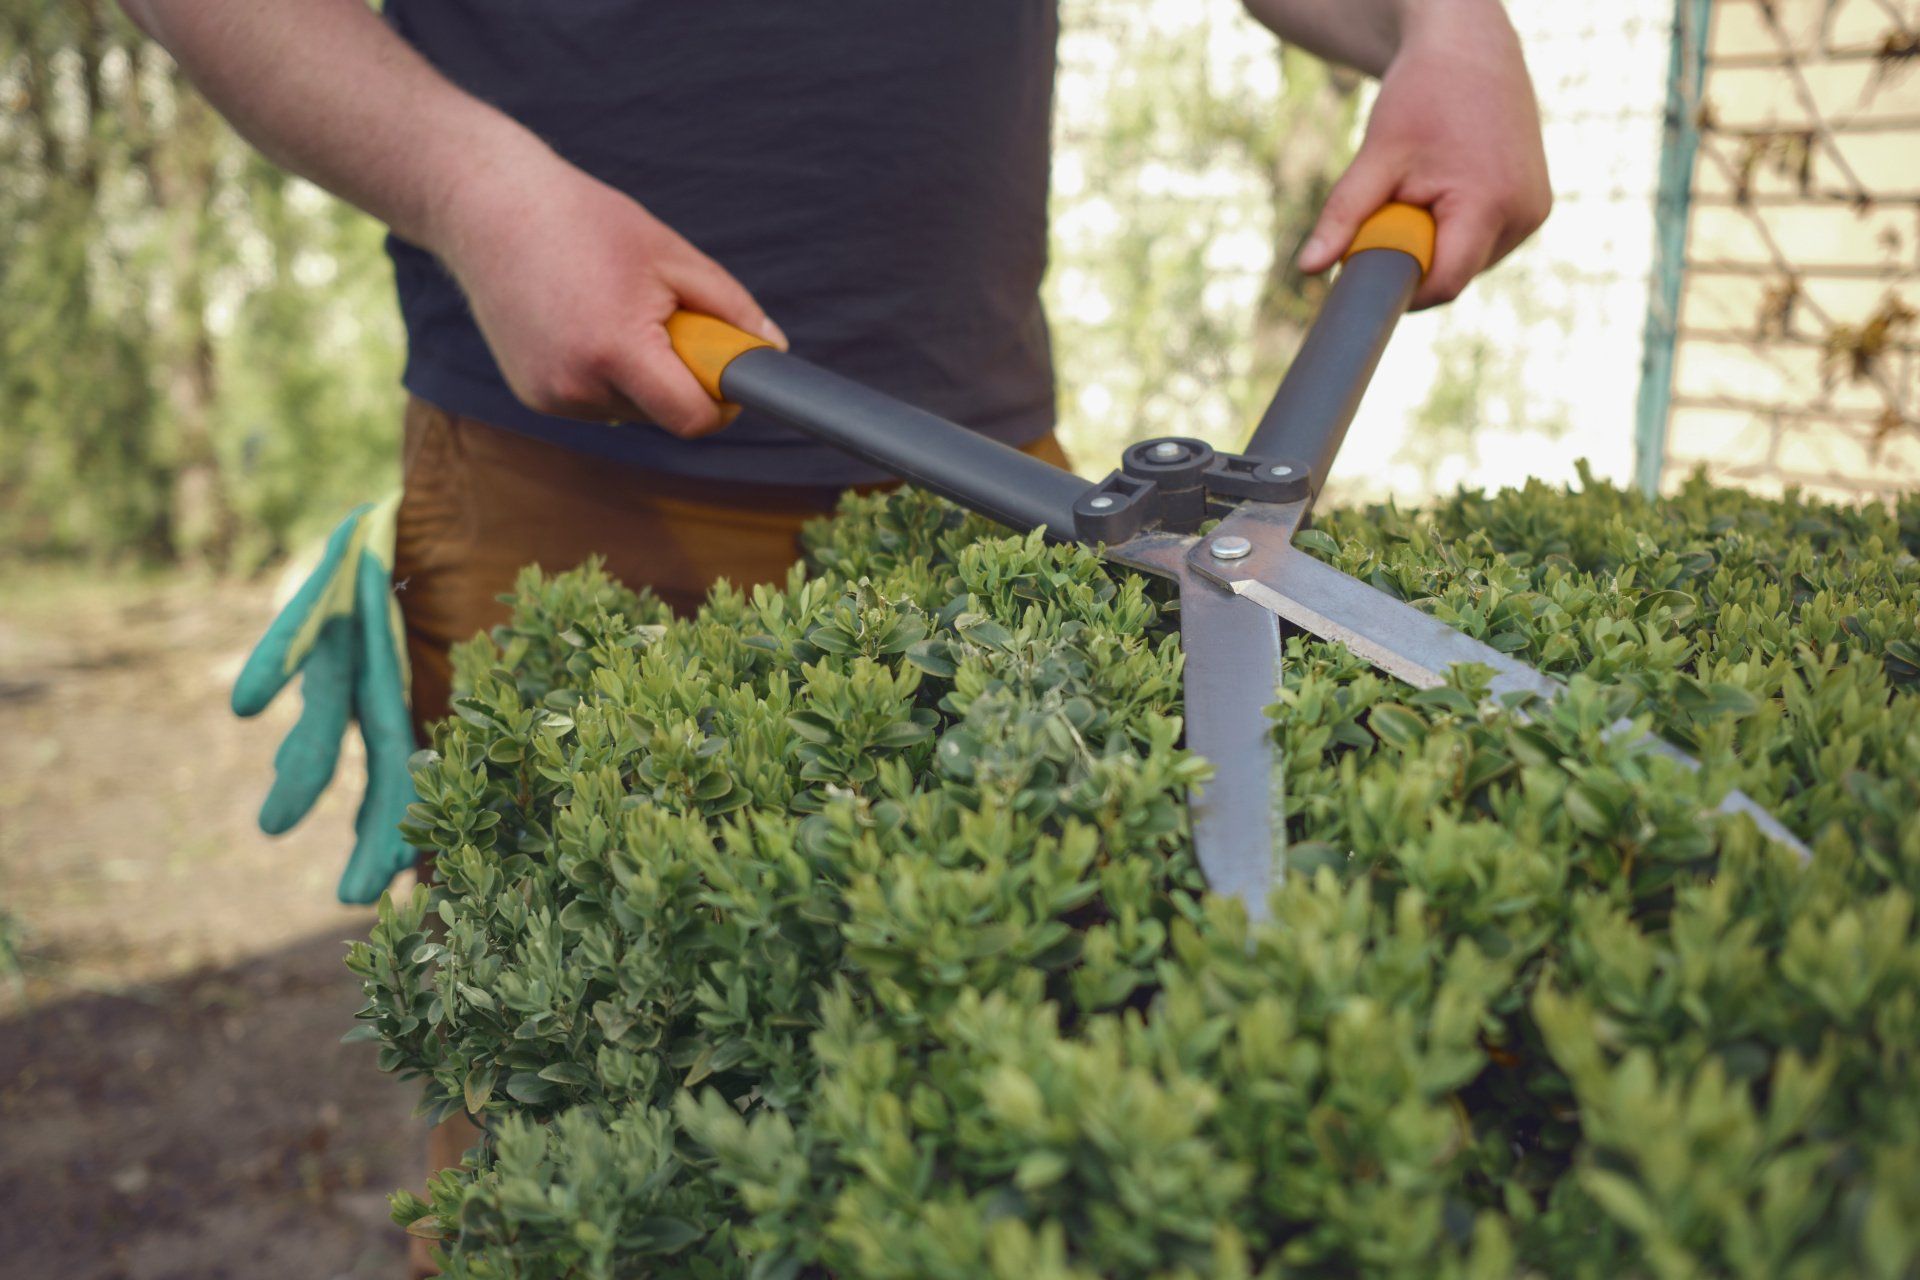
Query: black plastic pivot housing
[1178, 468]
[1259, 479]
[1167, 483]
[1113, 510]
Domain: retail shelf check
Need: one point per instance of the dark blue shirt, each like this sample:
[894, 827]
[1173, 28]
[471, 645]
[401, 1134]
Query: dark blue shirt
[874, 171]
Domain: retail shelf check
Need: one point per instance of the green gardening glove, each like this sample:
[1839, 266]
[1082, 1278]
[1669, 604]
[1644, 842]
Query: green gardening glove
[342, 632]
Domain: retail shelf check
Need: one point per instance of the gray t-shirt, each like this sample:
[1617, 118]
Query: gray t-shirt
[874, 171]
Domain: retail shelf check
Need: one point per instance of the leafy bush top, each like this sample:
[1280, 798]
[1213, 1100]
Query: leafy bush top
[851, 929]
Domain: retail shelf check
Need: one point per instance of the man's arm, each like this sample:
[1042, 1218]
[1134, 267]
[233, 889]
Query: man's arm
[1455, 127]
[570, 280]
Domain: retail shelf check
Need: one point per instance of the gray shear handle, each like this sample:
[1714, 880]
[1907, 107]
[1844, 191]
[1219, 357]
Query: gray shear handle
[921, 448]
[1316, 401]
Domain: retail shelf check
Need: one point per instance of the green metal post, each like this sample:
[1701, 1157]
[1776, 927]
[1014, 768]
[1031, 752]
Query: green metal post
[1680, 140]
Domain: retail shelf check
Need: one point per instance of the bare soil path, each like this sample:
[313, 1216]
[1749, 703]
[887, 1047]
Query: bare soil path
[174, 1099]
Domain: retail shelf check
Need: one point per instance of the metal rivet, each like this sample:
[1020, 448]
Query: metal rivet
[1230, 547]
[1167, 451]
[1100, 503]
[1280, 471]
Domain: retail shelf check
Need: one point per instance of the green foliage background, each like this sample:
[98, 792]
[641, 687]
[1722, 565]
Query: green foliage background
[197, 352]
[851, 928]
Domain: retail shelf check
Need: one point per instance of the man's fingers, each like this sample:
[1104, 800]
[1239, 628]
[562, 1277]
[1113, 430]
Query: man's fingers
[649, 374]
[703, 285]
[1362, 189]
[1463, 245]
[627, 411]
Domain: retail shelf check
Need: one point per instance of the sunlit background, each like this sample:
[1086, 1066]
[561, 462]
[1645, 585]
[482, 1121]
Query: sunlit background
[1168, 220]
[198, 376]
[1191, 156]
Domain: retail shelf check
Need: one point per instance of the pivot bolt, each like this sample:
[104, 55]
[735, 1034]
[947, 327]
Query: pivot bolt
[1280, 471]
[1167, 451]
[1231, 547]
[1100, 503]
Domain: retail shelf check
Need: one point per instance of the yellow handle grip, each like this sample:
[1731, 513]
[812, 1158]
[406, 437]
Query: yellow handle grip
[1406, 227]
[708, 345]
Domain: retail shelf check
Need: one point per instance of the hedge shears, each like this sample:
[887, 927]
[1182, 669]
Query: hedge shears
[1237, 582]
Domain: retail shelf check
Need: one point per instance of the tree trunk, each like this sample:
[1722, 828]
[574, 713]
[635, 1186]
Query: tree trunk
[94, 38]
[1320, 103]
[201, 516]
[34, 100]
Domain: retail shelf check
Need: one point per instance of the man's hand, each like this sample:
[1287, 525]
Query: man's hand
[572, 283]
[1455, 128]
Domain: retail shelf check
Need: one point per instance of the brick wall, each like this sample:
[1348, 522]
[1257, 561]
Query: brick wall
[1803, 246]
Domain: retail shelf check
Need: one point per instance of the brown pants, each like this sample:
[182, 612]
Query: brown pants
[479, 503]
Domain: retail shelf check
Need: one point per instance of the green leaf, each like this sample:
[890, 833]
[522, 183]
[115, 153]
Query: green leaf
[478, 1087]
[814, 727]
[1708, 699]
[1396, 724]
[528, 1087]
[1621, 1199]
[1318, 542]
[702, 1066]
[932, 657]
[655, 1234]
[1679, 604]
[569, 1073]
[905, 733]
[1040, 1169]
[985, 631]
[1591, 811]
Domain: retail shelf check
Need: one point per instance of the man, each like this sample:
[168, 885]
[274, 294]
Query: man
[561, 175]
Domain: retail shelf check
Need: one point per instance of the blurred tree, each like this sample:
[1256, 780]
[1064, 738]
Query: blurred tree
[197, 359]
[1193, 155]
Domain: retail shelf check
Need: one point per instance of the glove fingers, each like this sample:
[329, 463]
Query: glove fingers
[380, 682]
[305, 762]
[380, 706]
[379, 852]
[280, 651]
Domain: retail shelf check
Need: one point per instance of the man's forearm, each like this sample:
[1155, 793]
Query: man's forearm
[325, 89]
[1367, 34]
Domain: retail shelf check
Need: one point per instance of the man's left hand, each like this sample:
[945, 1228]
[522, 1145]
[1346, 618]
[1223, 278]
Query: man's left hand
[1456, 129]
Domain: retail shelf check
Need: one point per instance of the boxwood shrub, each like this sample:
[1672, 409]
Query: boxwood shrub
[851, 928]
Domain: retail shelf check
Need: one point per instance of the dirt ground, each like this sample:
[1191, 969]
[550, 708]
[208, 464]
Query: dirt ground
[174, 1099]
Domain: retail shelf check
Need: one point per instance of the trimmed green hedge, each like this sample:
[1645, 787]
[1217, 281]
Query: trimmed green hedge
[851, 929]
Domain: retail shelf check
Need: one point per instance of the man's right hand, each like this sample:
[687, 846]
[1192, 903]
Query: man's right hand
[572, 283]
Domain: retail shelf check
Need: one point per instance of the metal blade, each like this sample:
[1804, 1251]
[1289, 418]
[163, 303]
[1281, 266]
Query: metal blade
[1391, 634]
[1419, 649]
[1232, 676]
